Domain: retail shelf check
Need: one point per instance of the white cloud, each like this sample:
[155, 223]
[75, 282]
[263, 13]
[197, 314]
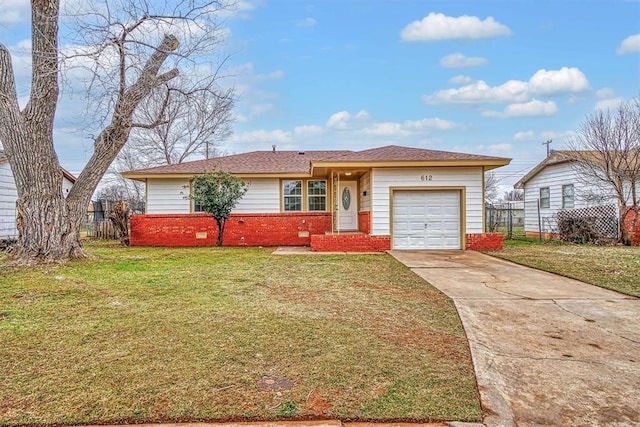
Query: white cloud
[240, 9]
[607, 100]
[528, 134]
[461, 79]
[385, 129]
[260, 109]
[339, 120]
[458, 60]
[533, 108]
[610, 104]
[543, 82]
[629, 45]
[480, 92]
[307, 131]
[437, 26]
[558, 82]
[500, 148]
[306, 23]
[262, 136]
[14, 12]
[342, 119]
[362, 124]
[434, 123]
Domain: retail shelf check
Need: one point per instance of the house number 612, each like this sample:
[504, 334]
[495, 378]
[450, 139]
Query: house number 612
[426, 177]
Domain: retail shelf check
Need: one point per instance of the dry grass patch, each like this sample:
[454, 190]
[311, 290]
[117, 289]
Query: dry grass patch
[612, 267]
[163, 334]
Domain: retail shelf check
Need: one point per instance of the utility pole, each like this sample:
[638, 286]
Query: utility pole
[547, 144]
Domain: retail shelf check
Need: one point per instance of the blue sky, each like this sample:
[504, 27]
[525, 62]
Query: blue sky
[486, 77]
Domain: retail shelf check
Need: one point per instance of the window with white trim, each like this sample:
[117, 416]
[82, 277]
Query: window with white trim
[317, 195]
[545, 197]
[292, 196]
[567, 196]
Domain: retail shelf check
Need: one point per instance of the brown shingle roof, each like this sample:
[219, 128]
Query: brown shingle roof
[392, 153]
[253, 162]
[293, 162]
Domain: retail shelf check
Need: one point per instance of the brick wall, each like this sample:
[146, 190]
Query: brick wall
[349, 243]
[364, 222]
[634, 231]
[282, 229]
[484, 241]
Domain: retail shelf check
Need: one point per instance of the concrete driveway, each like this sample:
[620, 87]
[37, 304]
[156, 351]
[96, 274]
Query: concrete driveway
[547, 350]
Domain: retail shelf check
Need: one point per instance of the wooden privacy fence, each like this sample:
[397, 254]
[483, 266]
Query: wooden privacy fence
[101, 230]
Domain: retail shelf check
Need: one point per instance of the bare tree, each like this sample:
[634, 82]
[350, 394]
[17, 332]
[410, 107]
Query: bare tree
[513, 196]
[491, 182]
[128, 50]
[194, 123]
[606, 151]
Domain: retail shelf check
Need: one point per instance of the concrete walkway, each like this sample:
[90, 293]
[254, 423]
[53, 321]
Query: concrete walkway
[547, 350]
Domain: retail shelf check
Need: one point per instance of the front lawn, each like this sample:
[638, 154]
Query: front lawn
[166, 334]
[611, 267]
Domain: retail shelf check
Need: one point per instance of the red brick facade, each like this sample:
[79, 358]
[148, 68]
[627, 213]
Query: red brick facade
[484, 241]
[281, 229]
[634, 231]
[354, 242]
[364, 222]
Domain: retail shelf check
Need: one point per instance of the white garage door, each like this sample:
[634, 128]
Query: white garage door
[426, 220]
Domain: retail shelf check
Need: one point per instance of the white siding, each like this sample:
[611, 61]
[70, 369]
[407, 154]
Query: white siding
[383, 179]
[262, 196]
[168, 196]
[66, 187]
[554, 177]
[365, 187]
[172, 196]
[8, 197]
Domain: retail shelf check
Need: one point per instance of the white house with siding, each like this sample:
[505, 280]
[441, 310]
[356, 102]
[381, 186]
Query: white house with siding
[556, 184]
[416, 198]
[9, 195]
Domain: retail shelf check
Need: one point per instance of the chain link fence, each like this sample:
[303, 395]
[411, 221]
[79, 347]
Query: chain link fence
[507, 218]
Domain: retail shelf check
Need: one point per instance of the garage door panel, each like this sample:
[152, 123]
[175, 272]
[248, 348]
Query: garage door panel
[426, 220]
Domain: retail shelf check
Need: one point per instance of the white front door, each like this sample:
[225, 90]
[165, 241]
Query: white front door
[348, 206]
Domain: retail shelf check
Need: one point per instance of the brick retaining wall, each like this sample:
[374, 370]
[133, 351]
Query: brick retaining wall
[485, 241]
[199, 229]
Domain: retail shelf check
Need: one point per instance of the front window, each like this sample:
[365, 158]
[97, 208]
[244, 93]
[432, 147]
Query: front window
[317, 194]
[292, 196]
[567, 196]
[544, 197]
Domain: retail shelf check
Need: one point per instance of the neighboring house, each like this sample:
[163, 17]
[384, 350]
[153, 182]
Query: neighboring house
[555, 185]
[371, 200]
[9, 195]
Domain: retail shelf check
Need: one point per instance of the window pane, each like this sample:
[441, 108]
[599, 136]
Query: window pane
[292, 203]
[544, 197]
[317, 203]
[290, 188]
[567, 196]
[318, 188]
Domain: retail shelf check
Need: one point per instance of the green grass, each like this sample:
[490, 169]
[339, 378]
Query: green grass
[169, 334]
[611, 267]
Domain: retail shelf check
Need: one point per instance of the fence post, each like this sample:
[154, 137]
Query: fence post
[539, 222]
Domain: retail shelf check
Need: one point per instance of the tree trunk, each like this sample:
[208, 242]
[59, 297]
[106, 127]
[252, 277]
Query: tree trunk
[221, 223]
[48, 224]
[48, 228]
